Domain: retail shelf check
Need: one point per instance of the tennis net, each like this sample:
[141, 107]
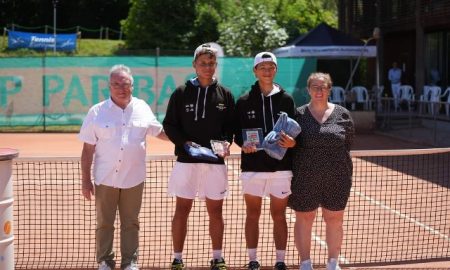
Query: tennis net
[398, 212]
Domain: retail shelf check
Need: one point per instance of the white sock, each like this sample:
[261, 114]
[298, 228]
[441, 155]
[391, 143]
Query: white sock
[252, 254]
[333, 264]
[308, 261]
[306, 264]
[178, 255]
[280, 254]
[217, 254]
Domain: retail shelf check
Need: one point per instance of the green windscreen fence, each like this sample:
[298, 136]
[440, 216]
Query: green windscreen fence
[58, 91]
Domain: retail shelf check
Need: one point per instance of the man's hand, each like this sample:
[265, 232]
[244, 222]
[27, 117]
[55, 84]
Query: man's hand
[249, 148]
[87, 189]
[286, 141]
[226, 149]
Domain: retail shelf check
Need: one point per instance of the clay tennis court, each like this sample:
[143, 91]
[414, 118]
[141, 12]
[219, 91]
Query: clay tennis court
[66, 145]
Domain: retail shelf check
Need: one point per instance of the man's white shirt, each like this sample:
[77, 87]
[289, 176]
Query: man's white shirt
[395, 75]
[119, 136]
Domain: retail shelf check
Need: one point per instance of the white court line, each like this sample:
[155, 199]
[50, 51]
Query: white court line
[398, 213]
[321, 242]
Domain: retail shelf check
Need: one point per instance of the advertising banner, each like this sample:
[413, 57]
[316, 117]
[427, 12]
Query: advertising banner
[39, 41]
[58, 91]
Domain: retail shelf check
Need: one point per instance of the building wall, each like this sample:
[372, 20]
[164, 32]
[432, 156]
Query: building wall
[415, 33]
[400, 47]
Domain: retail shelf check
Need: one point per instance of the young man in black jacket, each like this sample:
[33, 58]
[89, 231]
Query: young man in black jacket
[198, 112]
[262, 175]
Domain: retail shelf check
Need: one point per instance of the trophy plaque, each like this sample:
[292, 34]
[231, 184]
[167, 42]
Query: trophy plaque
[253, 136]
[219, 147]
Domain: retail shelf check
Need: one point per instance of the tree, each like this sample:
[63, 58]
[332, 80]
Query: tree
[300, 16]
[250, 31]
[242, 27]
[181, 25]
[206, 24]
[159, 23]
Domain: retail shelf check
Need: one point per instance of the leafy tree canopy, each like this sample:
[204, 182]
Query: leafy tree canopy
[251, 30]
[164, 24]
[243, 27]
[300, 16]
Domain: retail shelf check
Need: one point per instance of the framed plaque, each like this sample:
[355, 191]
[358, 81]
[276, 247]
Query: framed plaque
[253, 136]
[219, 147]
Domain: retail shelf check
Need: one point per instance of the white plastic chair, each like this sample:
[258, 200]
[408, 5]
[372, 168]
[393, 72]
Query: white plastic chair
[337, 95]
[435, 98]
[407, 93]
[425, 98]
[447, 105]
[362, 96]
[377, 95]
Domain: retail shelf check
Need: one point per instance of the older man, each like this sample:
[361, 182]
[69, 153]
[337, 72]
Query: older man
[115, 131]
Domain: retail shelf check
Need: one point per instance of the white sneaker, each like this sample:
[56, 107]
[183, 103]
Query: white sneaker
[104, 266]
[333, 264]
[132, 266]
[306, 265]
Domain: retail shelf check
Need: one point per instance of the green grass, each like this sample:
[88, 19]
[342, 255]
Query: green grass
[85, 47]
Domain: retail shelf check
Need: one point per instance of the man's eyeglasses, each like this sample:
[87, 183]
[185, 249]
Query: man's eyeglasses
[317, 88]
[121, 85]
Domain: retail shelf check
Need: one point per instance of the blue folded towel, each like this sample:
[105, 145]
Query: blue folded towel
[196, 151]
[270, 143]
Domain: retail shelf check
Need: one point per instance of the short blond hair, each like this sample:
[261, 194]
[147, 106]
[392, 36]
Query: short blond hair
[320, 76]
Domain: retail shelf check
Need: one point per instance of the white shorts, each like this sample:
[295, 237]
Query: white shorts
[205, 180]
[263, 184]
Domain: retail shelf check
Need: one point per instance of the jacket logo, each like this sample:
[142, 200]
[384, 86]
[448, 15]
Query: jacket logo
[189, 107]
[221, 106]
[251, 114]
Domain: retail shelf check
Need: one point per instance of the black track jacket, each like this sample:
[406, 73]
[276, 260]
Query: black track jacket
[249, 114]
[192, 116]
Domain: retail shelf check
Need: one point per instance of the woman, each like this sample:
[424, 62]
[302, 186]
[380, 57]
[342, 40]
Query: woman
[322, 170]
[264, 176]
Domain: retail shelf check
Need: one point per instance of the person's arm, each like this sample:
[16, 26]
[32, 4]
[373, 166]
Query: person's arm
[172, 122]
[287, 141]
[237, 129]
[87, 155]
[162, 136]
[155, 128]
[350, 133]
[228, 125]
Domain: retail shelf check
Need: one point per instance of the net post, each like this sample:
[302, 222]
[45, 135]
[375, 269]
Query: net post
[6, 208]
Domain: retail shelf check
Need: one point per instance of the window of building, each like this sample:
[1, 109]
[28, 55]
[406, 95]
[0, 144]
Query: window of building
[434, 57]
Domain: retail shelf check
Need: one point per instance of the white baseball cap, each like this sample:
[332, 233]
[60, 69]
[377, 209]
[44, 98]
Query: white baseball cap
[204, 48]
[264, 57]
